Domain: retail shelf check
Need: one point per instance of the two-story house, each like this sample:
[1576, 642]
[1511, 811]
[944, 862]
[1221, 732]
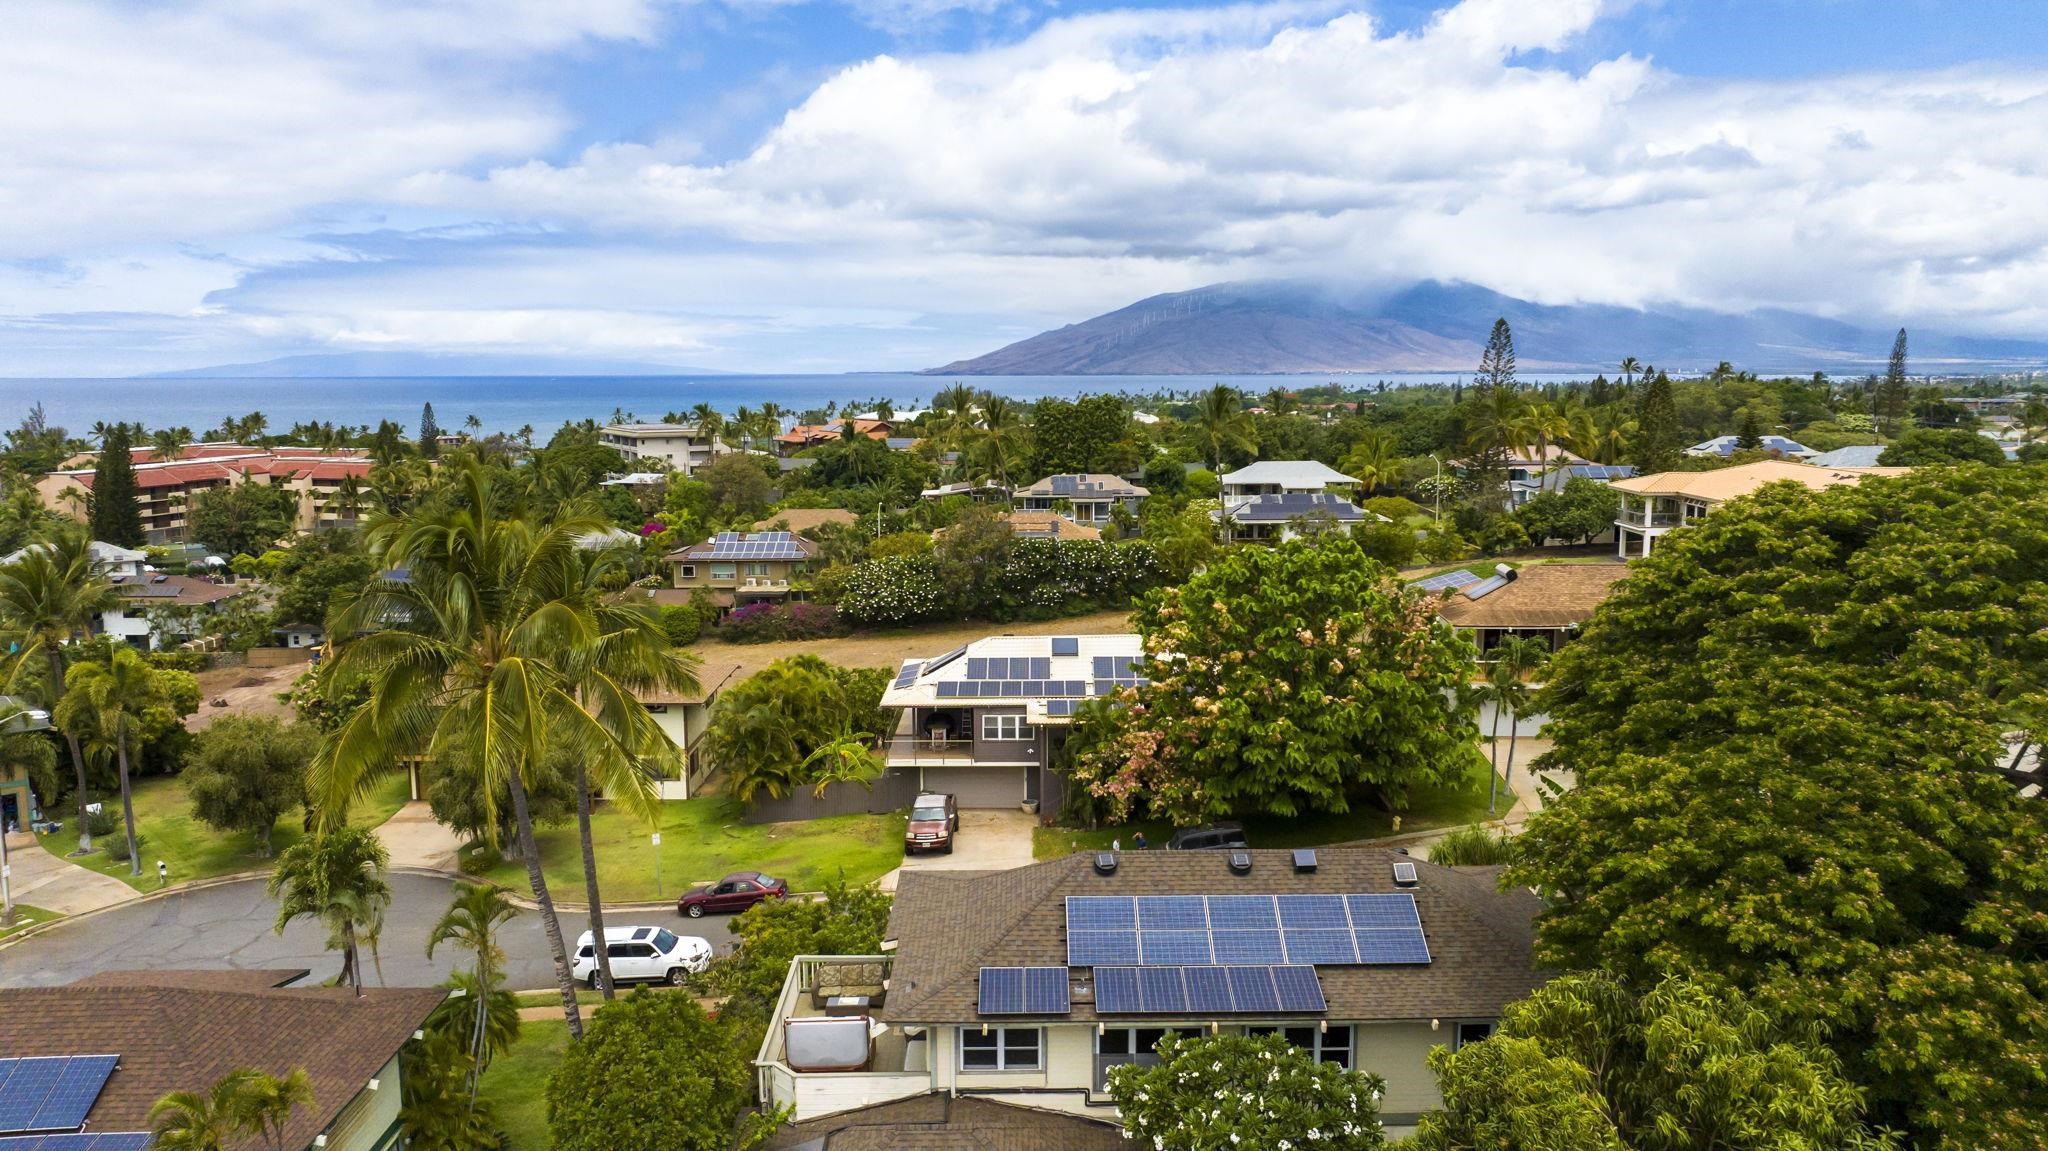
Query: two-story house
[155, 610]
[1025, 987]
[736, 568]
[983, 721]
[1274, 500]
[1654, 504]
[1087, 498]
[673, 447]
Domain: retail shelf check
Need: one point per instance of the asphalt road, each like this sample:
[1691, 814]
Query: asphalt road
[230, 926]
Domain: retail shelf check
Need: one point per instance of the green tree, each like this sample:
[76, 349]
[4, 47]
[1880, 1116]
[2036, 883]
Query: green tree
[1516, 659]
[1925, 447]
[848, 921]
[767, 727]
[1894, 394]
[1089, 434]
[1184, 538]
[1375, 460]
[242, 518]
[1577, 512]
[335, 875]
[430, 433]
[1497, 362]
[51, 595]
[1656, 444]
[1286, 680]
[1235, 1092]
[105, 704]
[116, 516]
[243, 1103]
[655, 1071]
[1785, 726]
[740, 490]
[246, 771]
[498, 626]
[471, 923]
[1748, 437]
[1585, 1065]
[1222, 426]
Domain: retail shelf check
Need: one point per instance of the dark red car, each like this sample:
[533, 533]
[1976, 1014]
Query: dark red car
[736, 892]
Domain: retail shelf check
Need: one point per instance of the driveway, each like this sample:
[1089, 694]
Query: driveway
[54, 883]
[996, 840]
[230, 926]
[414, 838]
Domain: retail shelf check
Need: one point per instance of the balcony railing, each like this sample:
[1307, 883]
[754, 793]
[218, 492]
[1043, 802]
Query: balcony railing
[1642, 519]
[914, 750]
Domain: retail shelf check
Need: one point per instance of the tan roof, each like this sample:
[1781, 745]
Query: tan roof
[1730, 483]
[948, 925]
[801, 520]
[185, 1038]
[938, 1123]
[1042, 525]
[1540, 596]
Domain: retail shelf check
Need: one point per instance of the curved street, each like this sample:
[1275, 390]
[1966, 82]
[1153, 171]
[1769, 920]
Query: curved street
[230, 925]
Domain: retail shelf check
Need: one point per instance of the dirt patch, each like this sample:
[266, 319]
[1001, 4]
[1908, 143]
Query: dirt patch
[246, 690]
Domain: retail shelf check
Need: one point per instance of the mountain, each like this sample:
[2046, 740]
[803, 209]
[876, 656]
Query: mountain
[386, 365]
[1289, 326]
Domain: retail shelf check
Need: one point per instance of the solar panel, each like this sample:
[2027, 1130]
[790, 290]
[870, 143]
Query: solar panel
[1208, 989]
[1161, 990]
[1251, 989]
[1002, 991]
[1173, 912]
[1066, 645]
[1383, 911]
[1101, 912]
[1313, 911]
[1098, 948]
[1242, 912]
[1320, 945]
[1205, 989]
[1116, 989]
[1445, 581]
[1377, 947]
[1165, 948]
[949, 689]
[1299, 989]
[79, 1141]
[1233, 930]
[1059, 707]
[908, 675]
[945, 659]
[51, 1093]
[1248, 947]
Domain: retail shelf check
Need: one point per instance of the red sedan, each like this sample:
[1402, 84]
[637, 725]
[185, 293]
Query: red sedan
[736, 892]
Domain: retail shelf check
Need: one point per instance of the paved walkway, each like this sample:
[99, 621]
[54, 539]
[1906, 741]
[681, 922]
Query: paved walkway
[53, 883]
[415, 839]
[1529, 791]
[991, 840]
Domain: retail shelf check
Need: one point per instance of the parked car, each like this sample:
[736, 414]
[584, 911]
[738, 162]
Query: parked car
[1215, 837]
[933, 820]
[736, 892]
[642, 955]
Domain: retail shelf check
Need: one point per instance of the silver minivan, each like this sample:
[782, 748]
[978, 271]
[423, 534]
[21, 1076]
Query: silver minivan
[643, 955]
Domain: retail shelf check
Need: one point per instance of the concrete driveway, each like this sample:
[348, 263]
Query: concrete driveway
[230, 926]
[994, 840]
[53, 883]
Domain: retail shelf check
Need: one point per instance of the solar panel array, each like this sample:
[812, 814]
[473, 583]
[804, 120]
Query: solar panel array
[908, 675]
[1208, 990]
[1024, 991]
[1062, 707]
[1012, 667]
[51, 1092]
[79, 1141]
[1600, 471]
[755, 546]
[1445, 581]
[1228, 930]
[945, 659]
[1012, 688]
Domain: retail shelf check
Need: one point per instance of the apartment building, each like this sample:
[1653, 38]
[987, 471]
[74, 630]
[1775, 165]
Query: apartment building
[164, 488]
[670, 447]
[1025, 987]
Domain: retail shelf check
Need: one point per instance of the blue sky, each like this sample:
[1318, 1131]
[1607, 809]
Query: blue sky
[777, 186]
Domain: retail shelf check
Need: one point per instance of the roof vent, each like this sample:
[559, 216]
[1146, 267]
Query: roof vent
[1240, 863]
[1105, 863]
[1305, 860]
[1404, 874]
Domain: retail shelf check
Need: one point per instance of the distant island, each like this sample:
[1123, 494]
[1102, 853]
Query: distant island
[1291, 326]
[385, 365]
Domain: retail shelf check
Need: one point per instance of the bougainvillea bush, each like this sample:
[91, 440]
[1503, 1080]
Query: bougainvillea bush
[768, 622]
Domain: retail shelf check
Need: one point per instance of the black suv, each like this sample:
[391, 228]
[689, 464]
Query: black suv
[1215, 837]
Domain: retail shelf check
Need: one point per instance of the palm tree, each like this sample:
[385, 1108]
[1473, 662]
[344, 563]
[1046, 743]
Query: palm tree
[1222, 423]
[481, 651]
[743, 420]
[170, 443]
[1613, 428]
[336, 876]
[1542, 424]
[471, 921]
[999, 438]
[11, 667]
[106, 702]
[1375, 459]
[1515, 659]
[244, 1102]
[707, 418]
[1630, 369]
[52, 594]
[269, 1101]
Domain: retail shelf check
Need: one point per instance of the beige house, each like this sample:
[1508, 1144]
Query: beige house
[735, 568]
[1088, 498]
[672, 447]
[164, 488]
[1025, 987]
[1654, 504]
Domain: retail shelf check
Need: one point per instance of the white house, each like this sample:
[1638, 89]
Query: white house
[1276, 499]
[675, 447]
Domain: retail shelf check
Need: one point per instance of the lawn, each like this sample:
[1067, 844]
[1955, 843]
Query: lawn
[704, 839]
[26, 917]
[516, 1083]
[163, 818]
[1428, 808]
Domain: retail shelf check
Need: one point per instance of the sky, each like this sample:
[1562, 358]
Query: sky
[834, 185]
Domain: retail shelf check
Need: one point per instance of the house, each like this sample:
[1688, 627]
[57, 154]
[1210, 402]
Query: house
[1654, 504]
[1780, 446]
[683, 716]
[1521, 491]
[639, 481]
[156, 610]
[1024, 987]
[674, 447]
[984, 721]
[1277, 499]
[164, 488]
[1548, 601]
[1280, 477]
[298, 635]
[735, 568]
[804, 436]
[1088, 498]
[111, 1045]
[18, 806]
[1853, 456]
[979, 492]
[1530, 471]
[1042, 526]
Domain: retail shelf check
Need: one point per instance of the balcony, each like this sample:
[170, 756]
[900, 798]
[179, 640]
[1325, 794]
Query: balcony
[915, 751]
[1640, 518]
[848, 989]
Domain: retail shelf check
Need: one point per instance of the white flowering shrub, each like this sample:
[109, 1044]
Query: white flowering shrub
[1246, 1093]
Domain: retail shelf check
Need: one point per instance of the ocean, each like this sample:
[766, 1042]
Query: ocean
[505, 403]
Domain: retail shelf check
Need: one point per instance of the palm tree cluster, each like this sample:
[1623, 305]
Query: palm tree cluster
[246, 1102]
[987, 430]
[498, 645]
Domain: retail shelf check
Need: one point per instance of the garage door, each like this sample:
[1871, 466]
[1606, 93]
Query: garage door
[978, 786]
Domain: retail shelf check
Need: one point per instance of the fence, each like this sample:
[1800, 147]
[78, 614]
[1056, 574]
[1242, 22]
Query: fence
[894, 790]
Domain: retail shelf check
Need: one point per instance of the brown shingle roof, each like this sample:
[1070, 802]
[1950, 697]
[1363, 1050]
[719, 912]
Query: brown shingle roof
[937, 1123]
[948, 925]
[224, 979]
[173, 1037]
[1540, 596]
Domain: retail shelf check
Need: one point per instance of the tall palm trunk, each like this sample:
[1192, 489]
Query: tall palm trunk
[1514, 721]
[77, 755]
[1493, 754]
[550, 925]
[597, 944]
[128, 806]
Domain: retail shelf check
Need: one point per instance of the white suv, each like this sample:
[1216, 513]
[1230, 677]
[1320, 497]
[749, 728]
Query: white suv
[643, 953]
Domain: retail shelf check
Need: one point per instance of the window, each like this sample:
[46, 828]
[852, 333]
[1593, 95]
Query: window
[1005, 727]
[757, 569]
[1000, 1049]
[1128, 1040]
[722, 571]
[665, 941]
[1331, 1046]
[689, 571]
[1473, 1032]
